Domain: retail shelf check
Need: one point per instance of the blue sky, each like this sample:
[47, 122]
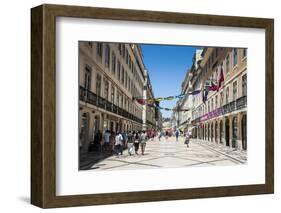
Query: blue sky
[167, 66]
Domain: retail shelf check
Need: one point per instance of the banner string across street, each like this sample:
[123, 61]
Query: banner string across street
[154, 102]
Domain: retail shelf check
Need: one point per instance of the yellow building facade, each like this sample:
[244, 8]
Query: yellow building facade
[110, 75]
[222, 117]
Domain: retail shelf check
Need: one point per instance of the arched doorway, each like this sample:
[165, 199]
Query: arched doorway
[208, 131]
[227, 132]
[221, 132]
[244, 132]
[84, 131]
[205, 137]
[216, 132]
[212, 132]
[234, 132]
[203, 132]
[96, 124]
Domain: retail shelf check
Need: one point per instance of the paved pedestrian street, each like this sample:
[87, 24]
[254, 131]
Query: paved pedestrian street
[170, 153]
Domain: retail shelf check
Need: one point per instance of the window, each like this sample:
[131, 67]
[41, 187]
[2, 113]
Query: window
[216, 52]
[244, 52]
[112, 94]
[107, 55]
[227, 64]
[90, 44]
[234, 57]
[126, 79]
[87, 78]
[234, 90]
[99, 49]
[130, 62]
[227, 95]
[113, 63]
[123, 73]
[118, 99]
[216, 102]
[123, 50]
[127, 57]
[120, 48]
[212, 104]
[221, 98]
[118, 70]
[106, 89]
[98, 85]
[244, 85]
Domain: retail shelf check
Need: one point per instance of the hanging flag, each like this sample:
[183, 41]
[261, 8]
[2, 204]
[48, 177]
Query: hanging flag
[180, 96]
[151, 101]
[141, 101]
[195, 92]
[221, 78]
[213, 87]
[206, 94]
[169, 98]
[158, 99]
[150, 105]
[203, 95]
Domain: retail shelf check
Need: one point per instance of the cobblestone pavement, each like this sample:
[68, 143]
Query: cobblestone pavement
[170, 153]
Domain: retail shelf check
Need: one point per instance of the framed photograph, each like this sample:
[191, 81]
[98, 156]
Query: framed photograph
[137, 106]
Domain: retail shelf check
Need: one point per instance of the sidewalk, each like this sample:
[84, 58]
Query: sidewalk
[88, 159]
[239, 155]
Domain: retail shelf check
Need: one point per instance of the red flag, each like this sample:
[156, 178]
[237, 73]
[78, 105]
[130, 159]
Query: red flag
[221, 78]
[141, 101]
[213, 87]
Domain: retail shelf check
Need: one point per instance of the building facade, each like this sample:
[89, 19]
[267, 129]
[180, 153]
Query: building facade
[110, 75]
[222, 116]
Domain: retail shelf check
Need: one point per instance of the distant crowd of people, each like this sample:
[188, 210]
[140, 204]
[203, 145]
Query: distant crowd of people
[116, 142]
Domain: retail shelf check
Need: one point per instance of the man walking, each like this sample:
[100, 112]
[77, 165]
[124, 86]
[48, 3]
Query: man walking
[118, 144]
[130, 139]
[177, 135]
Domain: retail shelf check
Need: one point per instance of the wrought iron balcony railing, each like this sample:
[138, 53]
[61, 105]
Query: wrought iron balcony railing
[238, 104]
[92, 98]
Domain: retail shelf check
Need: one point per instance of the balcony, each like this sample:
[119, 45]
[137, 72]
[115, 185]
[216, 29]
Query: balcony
[92, 98]
[238, 104]
[241, 102]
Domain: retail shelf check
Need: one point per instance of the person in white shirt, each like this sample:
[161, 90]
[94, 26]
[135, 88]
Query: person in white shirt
[118, 144]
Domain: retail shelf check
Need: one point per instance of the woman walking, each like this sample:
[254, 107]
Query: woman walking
[136, 143]
[143, 142]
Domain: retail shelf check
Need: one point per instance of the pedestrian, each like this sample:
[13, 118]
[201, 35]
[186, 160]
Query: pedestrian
[97, 143]
[167, 135]
[124, 144]
[160, 135]
[112, 141]
[186, 141]
[118, 143]
[177, 135]
[137, 141]
[130, 142]
[106, 139]
[143, 142]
